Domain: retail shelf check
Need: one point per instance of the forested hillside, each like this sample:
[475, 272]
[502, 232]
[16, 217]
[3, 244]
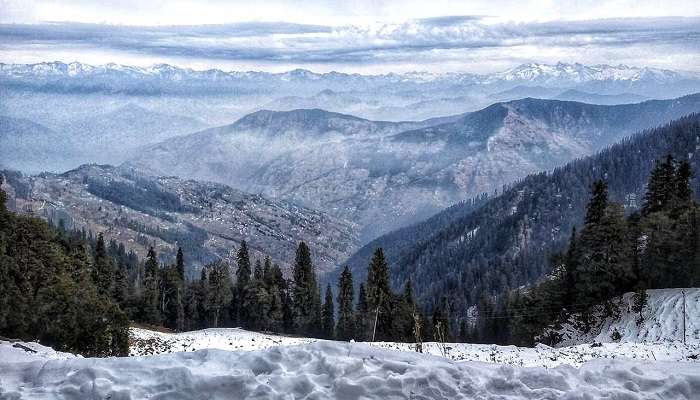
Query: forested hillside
[508, 242]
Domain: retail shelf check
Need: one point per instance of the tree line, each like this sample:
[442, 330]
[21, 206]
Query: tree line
[260, 298]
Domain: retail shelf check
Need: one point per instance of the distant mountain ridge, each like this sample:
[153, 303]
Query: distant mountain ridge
[385, 175]
[530, 72]
[167, 79]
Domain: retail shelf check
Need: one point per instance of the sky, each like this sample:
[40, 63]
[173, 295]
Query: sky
[363, 36]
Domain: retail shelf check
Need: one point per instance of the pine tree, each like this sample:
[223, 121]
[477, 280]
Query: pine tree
[662, 187]
[243, 260]
[380, 297]
[328, 312]
[683, 193]
[305, 297]
[598, 203]
[243, 273]
[362, 316]
[605, 265]
[219, 292]
[151, 294]
[345, 328]
[103, 270]
[405, 314]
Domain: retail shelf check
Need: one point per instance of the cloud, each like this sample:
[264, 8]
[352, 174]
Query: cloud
[420, 41]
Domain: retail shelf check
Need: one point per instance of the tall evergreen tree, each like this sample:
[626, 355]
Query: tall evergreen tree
[151, 293]
[305, 297]
[662, 187]
[103, 269]
[598, 203]
[243, 273]
[243, 260]
[345, 328]
[328, 312]
[379, 297]
[362, 326]
[219, 292]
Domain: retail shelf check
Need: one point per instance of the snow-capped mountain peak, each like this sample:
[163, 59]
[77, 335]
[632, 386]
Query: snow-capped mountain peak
[538, 73]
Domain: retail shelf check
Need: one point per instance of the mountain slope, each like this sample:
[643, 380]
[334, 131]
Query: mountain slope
[208, 220]
[387, 175]
[101, 137]
[121, 131]
[605, 99]
[507, 241]
[23, 143]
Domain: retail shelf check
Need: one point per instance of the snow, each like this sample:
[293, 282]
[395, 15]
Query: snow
[145, 342]
[17, 352]
[663, 320]
[233, 363]
[337, 370]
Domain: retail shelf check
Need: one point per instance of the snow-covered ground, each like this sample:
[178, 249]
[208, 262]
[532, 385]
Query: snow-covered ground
[145, 342]
[234, 363]
[336, 370]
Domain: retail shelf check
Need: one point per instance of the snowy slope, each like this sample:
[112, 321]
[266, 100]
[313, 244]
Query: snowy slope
[145, 342]
[663, 320]
[337, 370]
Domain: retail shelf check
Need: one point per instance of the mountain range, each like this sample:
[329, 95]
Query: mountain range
[50, 91]
[385, 175]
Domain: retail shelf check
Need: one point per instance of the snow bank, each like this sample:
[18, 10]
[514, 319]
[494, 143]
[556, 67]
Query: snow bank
[663, 320]
[11, 352]
[337, 370]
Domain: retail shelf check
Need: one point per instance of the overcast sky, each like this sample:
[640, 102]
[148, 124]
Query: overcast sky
[353, 35]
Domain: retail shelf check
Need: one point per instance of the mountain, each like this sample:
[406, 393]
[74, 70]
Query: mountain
[326, 99]
[117, 133]
[489, 246]
[61, 76]
[218, 97]
[386, 175]
[109, 137]
[208, 220]
[23, 143]
[523, 91]
[609, 99]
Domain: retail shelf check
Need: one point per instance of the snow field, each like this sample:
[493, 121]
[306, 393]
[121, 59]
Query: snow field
[337, 370]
